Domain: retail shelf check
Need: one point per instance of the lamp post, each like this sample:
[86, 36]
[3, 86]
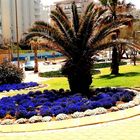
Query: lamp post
[16, 16]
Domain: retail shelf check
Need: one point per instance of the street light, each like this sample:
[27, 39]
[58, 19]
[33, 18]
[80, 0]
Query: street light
[16, 15]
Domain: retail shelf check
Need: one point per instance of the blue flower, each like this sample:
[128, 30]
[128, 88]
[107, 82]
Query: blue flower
[19, 86]
[107, 102]
[55, 110]
[21, 113]
[44, 111]
[126, 97]
[71, 108]
[102, 95]
[2, 113]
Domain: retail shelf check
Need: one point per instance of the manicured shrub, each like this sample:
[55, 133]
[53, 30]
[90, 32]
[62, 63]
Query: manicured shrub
[12, 112]
[105, 64]
[49, 104]
[95, 104]
[2, 113]
[117, 96]
[30, 114]
[59, 73]
[126, 97]
[8, 87]
[51, 74]
[107, 102]
[71, 108]
[9, 73]
[55, 110]
[102, 95]
[45, 111]
[21, 112]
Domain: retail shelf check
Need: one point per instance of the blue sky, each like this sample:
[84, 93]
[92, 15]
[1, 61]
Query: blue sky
[136, 2]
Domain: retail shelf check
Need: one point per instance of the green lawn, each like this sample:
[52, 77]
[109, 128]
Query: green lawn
[129, 77]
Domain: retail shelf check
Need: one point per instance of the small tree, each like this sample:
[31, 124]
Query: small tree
[79, 40]
[34, 44]
[115, 7]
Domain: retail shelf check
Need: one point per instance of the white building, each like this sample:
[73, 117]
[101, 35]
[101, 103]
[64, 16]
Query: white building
[45, 13]
[66, 6]
[28, 11]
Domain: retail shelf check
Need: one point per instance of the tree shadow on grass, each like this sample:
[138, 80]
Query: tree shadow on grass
[128, 74]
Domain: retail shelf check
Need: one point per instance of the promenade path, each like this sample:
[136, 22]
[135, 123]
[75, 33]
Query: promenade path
[127, 129]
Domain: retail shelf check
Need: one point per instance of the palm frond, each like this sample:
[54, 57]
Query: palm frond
[89, 8]
[86, 28]
[104, 2]
[75, 18]
[100, 17]
[50, 32]
[110, 44]
[63, 24]
[41, 23]
[50, 42]
[105, 31]
[59, 10]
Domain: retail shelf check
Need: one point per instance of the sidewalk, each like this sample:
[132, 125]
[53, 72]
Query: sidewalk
[30, 76]
[128, 129]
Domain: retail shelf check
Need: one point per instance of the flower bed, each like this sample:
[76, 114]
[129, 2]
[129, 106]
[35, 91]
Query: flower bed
[8, 87]
[37, 106]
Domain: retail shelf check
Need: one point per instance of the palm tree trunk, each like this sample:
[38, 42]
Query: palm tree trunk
[115, 62]
[80, 83]
[115, 59]
[79, 77]
[35, 59]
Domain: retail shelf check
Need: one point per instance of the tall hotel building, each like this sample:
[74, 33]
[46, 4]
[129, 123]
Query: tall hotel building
[28, 11]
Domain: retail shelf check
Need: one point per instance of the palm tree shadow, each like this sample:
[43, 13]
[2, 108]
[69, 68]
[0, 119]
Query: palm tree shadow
[128, 74]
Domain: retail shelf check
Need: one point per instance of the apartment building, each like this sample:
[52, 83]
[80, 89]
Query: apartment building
[45, 13]
[66, 6]
[28, 11]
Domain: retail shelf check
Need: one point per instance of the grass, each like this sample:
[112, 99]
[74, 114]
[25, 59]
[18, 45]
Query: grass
[57, 83]
[129, 77]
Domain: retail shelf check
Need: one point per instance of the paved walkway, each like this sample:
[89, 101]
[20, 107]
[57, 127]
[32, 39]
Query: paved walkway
[31, 76]
[34, 77]
[128, 129]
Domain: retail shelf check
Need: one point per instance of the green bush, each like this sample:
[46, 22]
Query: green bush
[9, 73]
[51, 74]
[59, 73]
[105, 64]
[94, 71]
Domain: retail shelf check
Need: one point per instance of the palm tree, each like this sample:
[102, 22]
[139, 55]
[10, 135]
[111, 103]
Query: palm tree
[34, 45]
[78, 39]
[116, 6]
